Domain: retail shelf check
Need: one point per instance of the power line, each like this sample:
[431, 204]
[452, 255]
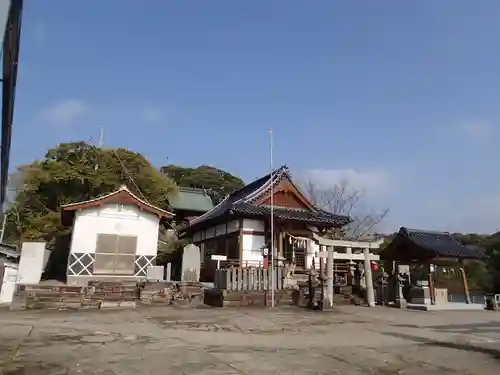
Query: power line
[133, 182]
[129, 175]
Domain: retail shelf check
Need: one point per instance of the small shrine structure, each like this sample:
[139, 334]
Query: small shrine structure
[114, 236]
[419, 259]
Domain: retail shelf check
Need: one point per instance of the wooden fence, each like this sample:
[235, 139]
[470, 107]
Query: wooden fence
[248, 279]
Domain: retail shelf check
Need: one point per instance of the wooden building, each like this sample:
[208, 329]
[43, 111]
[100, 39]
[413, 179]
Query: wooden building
[239, 227]
[436, 263]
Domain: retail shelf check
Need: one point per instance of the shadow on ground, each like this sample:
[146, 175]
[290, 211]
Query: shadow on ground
[493, 353]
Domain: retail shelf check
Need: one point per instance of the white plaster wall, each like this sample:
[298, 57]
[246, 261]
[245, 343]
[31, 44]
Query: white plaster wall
[123, 220]
[8, 283]
[252, 249]
[257, 225]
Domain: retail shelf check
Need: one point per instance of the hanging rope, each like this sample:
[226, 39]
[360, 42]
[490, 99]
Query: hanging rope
[299, 240]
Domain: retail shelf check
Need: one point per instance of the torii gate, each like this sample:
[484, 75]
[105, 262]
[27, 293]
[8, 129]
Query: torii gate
[330, 254]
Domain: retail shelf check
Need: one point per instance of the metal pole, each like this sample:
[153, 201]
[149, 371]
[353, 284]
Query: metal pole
[273, 281]
[101, 137]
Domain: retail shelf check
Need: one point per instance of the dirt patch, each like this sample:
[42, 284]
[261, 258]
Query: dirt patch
[40, 368]
[85, 338]
[197, 326]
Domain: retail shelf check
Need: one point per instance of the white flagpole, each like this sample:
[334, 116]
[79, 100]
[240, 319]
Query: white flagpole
[273, 281]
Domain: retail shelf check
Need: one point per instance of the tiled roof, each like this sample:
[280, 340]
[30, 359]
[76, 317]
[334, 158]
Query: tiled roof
[242, 200]
[291, 214]
[431, 244]
[191, 199]
[122, 195]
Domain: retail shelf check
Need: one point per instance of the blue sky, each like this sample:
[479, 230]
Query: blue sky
[400, 97]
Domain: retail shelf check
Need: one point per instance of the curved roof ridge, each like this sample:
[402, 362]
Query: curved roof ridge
[96, 199]
[408, 230]
[276, 176]
[123, 188]
[227, 200]
[199, 218]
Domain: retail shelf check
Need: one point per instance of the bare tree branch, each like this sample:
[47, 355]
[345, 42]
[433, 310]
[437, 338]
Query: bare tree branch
[342, 199]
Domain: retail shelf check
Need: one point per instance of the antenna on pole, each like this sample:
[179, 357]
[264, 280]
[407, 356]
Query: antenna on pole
[273, 256]
[101, 136]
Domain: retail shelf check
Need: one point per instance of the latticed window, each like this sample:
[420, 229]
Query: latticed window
[115, 254]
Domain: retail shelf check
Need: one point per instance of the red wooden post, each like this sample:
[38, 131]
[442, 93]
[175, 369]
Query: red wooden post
[266, 262]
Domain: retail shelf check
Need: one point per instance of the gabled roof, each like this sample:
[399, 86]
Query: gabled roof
[244, 201]
[421, 244]
[191, 199]
[121, 196]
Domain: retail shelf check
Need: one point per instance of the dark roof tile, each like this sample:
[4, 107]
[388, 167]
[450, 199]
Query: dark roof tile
[432, 244]
[242, 199]
[291, 214]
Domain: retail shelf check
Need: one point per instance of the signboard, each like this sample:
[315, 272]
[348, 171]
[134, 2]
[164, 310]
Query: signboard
[219, 257]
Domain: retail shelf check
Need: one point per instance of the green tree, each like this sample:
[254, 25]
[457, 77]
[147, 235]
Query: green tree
[74, 172]
[217, 182]
[492, 246]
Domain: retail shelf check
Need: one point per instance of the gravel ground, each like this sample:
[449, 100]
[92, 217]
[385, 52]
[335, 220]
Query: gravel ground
[167, 340]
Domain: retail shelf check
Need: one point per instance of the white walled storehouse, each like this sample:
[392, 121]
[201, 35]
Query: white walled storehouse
[114, 236]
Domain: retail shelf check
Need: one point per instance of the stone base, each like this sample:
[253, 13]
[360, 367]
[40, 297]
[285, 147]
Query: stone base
[450, 306]
[401, 303]
[213, 297]
[326, 306]
[106, 294]
[223, 298]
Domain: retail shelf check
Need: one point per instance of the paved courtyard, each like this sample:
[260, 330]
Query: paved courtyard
[351, 340]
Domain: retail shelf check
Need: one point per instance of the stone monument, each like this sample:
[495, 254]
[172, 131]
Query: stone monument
[155, 273]
[191, 263]
[32, 263]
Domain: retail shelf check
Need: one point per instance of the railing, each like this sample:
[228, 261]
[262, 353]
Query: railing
[248, 279]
